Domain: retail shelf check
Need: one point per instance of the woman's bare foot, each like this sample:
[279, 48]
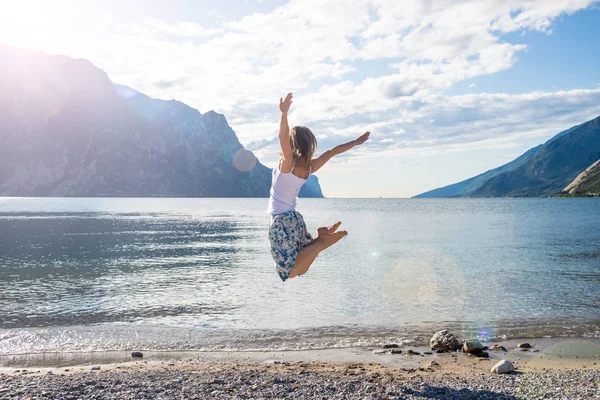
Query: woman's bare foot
[328, 236]
[324, 231]
[333, 238]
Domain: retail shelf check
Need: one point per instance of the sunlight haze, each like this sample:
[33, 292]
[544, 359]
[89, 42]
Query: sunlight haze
[448, 89]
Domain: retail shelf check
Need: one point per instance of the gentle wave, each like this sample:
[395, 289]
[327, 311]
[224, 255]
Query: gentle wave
[117, 337]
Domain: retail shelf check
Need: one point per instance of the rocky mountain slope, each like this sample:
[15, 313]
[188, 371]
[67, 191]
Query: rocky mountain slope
[553, 167]
[67, 130]
[541, 171]
[587, 184]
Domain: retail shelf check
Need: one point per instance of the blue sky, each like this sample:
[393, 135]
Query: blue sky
[449, 89]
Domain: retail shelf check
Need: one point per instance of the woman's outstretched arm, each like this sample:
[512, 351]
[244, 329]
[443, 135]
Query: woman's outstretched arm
[284, 130]
[318, 162]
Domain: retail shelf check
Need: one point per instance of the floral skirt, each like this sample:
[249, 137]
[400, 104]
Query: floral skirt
[288, 235]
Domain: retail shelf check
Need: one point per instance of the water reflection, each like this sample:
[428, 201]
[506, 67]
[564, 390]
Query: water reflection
[77, 268]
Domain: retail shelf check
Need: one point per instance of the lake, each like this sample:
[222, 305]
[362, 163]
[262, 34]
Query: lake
[82, 274]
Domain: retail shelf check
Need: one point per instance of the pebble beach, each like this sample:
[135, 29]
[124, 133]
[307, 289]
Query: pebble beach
[299, 381]
[368, 373]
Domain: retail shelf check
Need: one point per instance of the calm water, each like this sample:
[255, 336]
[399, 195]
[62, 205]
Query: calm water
[176, 274]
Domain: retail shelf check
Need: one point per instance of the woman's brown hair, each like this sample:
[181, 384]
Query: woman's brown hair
[304, 144]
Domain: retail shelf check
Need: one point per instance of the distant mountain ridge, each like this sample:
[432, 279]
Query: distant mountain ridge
[541, 171]
[468, 186]
[67, 130]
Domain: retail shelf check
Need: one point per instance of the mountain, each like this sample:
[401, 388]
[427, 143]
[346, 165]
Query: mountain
[553, 167]
[541, 171]
[587, 184]
[67, 130]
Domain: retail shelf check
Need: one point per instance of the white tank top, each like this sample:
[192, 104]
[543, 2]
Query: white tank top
[284, 190]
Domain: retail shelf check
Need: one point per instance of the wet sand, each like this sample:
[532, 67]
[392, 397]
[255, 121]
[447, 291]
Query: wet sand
[546, 353]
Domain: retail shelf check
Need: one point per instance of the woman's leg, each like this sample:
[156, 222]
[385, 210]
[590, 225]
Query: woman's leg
[327, 237]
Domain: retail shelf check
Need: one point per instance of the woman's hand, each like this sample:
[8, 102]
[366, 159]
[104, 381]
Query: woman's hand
[284, 105]
[318, 162]
[363, 138]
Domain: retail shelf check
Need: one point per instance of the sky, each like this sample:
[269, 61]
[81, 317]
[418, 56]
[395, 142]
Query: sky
[449, 89]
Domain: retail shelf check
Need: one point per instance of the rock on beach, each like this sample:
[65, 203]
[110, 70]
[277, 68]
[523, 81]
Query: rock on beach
[444, 341]
[503, 367]
[472, 347]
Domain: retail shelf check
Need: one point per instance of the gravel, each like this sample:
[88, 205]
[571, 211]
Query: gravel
[306, 384]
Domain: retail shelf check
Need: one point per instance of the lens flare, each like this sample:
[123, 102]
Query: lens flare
[244, 160]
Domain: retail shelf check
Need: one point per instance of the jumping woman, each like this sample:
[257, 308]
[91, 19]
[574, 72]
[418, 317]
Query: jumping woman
[292, 246]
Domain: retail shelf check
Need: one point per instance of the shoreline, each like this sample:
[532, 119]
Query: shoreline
[562, 368]
[544, 352]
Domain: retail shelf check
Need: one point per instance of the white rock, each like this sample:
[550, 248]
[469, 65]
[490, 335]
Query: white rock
[503, 367]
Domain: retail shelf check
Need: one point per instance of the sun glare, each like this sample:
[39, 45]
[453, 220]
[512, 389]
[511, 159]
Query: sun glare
[33, 24]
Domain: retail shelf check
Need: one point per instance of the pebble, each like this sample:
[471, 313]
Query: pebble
[413, 353]
[390, 346]
[395, 351]
[137, 354]
[524, 346]
[95, 368]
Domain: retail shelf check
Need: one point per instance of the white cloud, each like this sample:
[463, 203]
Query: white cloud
[478, 120]
[241, 68]
[180, 29]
